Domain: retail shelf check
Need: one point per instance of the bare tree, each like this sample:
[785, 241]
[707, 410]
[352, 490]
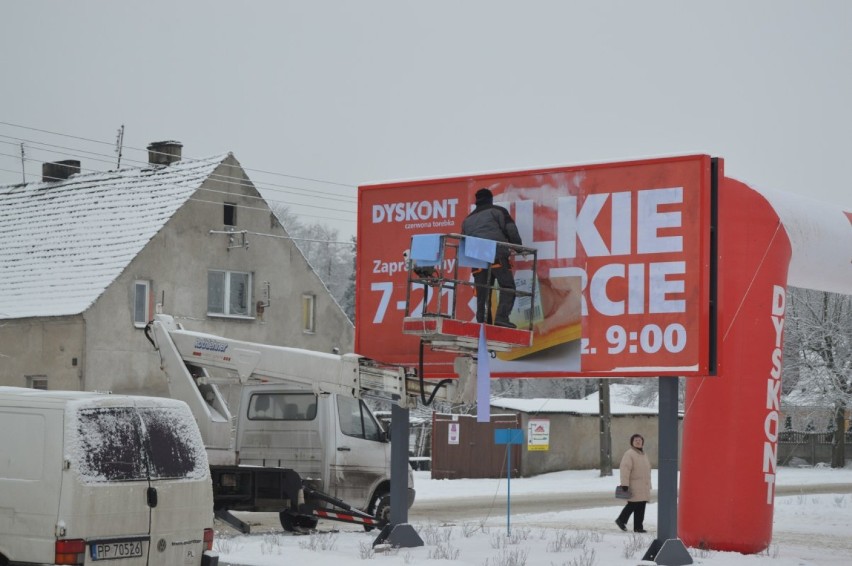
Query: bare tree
[348, 300]
[568, 388]
[333, 261]
[818, 331]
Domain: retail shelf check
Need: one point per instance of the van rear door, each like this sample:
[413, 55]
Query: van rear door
[105, 488]
[180, 495]
[138, 488]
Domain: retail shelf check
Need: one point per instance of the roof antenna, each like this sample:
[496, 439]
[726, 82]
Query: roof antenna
[23, 164]
[119, 144]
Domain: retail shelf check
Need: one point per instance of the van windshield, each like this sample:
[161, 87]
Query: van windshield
[128, 443]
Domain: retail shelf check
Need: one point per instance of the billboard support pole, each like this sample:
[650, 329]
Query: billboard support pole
[398, 532]
[667, 548]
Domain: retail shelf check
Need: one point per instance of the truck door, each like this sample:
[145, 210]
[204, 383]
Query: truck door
[362, 456]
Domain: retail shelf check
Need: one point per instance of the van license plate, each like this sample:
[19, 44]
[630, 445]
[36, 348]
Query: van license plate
[113, 550]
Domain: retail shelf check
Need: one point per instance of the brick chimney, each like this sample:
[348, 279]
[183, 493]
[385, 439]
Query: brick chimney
[164, 152]
[59, 170]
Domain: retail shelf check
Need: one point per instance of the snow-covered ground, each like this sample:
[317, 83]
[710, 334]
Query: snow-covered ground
[809, 530]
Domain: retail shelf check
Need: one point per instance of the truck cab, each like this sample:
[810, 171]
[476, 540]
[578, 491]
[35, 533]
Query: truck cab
[333, 441]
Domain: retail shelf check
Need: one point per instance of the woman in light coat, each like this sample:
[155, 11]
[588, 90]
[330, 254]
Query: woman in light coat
[635, 476]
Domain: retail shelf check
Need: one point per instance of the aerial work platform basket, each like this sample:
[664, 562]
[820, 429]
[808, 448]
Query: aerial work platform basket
[439, 263]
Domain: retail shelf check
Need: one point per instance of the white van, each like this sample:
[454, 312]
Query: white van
[88, 477]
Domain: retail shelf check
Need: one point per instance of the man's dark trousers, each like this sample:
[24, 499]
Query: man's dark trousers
[502, 273]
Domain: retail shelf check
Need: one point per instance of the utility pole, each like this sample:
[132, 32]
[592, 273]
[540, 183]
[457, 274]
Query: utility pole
[119, 144]
[23, 165]
[605, 423]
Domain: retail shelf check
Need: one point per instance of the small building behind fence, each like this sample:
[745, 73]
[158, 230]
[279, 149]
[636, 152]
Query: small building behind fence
[559, 434]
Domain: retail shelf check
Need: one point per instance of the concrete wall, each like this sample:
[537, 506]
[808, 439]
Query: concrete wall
[114, 355]
[575, 441]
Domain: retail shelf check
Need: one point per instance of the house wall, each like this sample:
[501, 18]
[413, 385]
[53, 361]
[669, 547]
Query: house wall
[177, 260]
[49, 347]
[112, 354]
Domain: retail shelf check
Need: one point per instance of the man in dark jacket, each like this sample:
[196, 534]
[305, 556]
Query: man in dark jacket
[492, 222]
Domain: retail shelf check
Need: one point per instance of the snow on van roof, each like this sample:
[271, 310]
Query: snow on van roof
[79, 399]
[64, 242]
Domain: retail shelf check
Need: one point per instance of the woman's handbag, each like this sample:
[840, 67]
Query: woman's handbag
[623, 493]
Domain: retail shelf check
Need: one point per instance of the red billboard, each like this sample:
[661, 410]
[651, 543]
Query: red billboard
[623, 271]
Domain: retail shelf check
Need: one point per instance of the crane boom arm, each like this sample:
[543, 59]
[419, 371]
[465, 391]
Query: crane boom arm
[348, 374]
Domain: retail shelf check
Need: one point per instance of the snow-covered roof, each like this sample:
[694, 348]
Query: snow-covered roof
[574, 406]
[64, 242]
[807, 397]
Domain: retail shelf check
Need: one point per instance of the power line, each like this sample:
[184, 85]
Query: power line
[281, 237]
[268, 200]
[300, 192]
[244, 207]
[348, 185]
[240, 180]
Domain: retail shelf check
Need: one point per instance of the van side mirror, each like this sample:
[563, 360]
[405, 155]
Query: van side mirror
[386, 436]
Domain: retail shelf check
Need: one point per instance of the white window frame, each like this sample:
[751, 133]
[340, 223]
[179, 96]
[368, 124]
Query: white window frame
[226, 293]
[147, 285]
[309, 313]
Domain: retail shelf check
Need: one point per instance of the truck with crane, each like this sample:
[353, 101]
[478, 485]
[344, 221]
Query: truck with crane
[303, 442]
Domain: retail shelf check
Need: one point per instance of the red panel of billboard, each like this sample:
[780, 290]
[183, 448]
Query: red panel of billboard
[623, 274]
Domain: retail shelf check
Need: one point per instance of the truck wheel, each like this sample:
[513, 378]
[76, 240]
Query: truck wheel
[380, 509]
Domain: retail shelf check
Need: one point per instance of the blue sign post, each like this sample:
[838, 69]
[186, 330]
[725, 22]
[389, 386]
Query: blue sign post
[508, 436]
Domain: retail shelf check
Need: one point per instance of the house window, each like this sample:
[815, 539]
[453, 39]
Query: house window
[230, 214]
[37, 382]
[228, 293]
[309, 313]
[141, 303]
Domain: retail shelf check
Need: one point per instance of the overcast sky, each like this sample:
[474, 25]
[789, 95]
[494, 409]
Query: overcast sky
[350, 92]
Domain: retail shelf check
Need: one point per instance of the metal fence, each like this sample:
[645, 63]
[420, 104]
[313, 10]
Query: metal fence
[813, 447]
[799, 437]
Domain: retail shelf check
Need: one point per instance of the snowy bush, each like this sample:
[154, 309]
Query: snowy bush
[226, 545]
[321, 541]
[509, 557]
[634, 544]
[444, 552]
[365, 550]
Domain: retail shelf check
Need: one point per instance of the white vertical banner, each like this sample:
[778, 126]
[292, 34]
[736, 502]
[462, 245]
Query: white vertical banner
[483, 380]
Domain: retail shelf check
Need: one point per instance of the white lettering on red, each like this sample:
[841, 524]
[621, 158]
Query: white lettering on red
[415, 210]
[773, 395]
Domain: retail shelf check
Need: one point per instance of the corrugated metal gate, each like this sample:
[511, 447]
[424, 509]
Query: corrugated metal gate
[464, 448]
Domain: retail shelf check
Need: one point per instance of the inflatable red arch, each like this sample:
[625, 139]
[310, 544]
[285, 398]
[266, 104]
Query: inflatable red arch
[766, 241]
